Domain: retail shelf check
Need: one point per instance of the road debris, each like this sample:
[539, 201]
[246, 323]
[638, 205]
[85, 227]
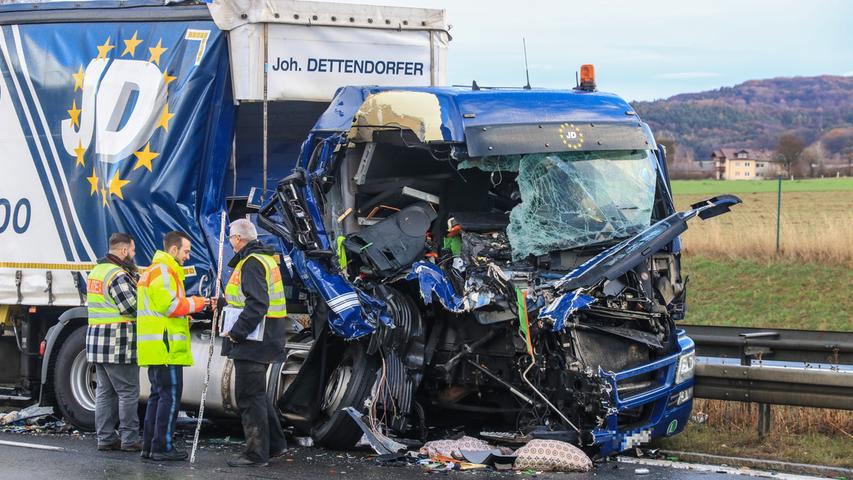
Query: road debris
[29, 414]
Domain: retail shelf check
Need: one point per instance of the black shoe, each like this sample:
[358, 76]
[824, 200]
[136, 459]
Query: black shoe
[243, 461]
[116, 445]
[146, 454]
[170, 456]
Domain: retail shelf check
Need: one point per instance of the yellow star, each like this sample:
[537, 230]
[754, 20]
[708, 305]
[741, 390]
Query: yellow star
[167, 78]
[78, 79]
[144, 157]
[165, 117]
[93, 181]
[75, 113]
[104, 49]
[130, 45]
[156, 52]
[79, 151]
[104, 195]
[116, 185]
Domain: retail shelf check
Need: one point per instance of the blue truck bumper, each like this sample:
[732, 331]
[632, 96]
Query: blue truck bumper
[660, 410]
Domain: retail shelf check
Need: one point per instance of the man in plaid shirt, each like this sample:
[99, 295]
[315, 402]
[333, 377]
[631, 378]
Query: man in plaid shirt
[111, 345]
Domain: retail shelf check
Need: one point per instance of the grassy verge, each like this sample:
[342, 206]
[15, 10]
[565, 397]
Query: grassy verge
[818, 446]
[716, 187]
[776, 294]
[752, 293]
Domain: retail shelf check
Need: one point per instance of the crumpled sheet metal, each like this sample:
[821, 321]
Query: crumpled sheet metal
[419, 112]
[434, 283]
[568, 201]
[352, 313]
[559, 310]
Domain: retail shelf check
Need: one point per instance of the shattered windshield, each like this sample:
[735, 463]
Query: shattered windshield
[575, 199]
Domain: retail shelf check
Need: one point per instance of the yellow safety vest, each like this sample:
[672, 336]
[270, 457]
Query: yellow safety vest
[103, 308]
[234, 291]
[162, 339]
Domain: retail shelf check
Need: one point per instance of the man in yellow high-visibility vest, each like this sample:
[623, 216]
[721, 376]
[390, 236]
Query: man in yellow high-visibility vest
[163, 339]
[255, 296]
[111, 345]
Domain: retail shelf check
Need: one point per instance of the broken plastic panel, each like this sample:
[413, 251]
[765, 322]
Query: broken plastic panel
[574, 199]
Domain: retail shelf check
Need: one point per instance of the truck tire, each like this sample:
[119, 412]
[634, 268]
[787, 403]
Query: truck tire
[74, 382]
[348, 385]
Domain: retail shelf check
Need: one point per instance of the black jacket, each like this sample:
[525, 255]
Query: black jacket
[254, 285]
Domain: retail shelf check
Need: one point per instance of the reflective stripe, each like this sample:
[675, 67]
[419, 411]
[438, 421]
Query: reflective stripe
[149, 338]
[153, 337]
[167, 280]
[107, 315]
[176, 302]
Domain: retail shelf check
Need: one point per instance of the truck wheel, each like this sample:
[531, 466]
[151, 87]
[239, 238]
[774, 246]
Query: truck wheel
[74, 382]
[348, 385]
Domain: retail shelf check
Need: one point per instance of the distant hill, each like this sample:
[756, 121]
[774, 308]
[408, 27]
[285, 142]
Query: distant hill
[819, 110]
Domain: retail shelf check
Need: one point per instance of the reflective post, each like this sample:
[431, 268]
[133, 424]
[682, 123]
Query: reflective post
[778, 212]
[764, 416]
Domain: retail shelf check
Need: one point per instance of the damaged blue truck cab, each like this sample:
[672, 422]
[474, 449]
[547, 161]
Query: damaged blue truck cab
[505, 261]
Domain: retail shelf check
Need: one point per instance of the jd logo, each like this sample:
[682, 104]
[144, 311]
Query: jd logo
[571, 136]
[120, 107]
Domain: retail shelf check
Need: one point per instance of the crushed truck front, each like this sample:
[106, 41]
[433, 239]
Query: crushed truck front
[505, 260]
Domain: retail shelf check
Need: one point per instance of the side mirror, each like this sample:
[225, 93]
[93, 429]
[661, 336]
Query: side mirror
[255, 200]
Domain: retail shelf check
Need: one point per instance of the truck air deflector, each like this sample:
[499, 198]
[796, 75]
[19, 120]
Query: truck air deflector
[557, 137]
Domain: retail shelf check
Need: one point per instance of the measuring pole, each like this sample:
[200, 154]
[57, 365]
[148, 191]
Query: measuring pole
[778, 212]
[266, 105]
[213, 329]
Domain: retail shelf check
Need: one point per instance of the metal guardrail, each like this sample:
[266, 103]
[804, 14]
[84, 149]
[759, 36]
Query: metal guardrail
[800, 387]
[775, 366]
[806, 346]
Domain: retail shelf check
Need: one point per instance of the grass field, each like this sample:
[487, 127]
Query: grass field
[816, 226]
[751, 293]
[737, 278]
[715, 187]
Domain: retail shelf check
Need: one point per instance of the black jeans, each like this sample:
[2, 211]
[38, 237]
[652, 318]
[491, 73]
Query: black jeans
[167, 384]
[261, 425]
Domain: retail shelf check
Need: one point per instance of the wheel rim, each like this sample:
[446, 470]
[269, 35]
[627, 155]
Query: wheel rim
[83, 381]
[295, 357]
[336, 387]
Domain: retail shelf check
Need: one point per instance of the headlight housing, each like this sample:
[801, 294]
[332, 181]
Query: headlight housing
[686, 366]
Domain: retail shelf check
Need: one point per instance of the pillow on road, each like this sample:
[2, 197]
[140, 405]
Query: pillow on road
[552, 455]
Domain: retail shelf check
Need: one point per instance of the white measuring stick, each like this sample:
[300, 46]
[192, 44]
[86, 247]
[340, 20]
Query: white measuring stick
[214, 326]
[31, 445]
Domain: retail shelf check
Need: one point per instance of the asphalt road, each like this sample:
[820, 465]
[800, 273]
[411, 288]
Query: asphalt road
[80, 460]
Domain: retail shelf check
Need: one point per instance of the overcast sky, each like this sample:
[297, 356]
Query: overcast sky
[646, 49]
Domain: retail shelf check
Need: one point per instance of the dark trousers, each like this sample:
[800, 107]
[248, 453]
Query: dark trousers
[167, 384]
[261, 425]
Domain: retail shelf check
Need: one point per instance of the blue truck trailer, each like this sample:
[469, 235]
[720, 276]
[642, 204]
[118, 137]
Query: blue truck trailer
[503, 259]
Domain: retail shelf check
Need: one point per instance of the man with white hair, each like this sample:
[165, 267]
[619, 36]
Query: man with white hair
[255, 295]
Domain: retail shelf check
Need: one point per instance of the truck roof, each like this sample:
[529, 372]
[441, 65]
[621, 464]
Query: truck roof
[462, 109]
[228, 14]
